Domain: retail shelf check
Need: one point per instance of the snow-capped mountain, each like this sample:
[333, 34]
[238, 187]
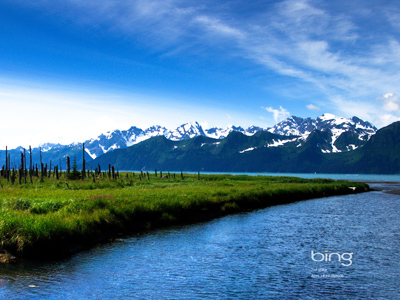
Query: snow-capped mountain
[341, 134]
[48, 146]
[121, 139]
[185, 131]
[338, 134]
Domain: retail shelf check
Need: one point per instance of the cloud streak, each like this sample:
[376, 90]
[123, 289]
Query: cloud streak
[314, 42]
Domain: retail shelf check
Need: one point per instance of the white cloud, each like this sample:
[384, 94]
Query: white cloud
[312, 107]
[278, 114]
[391, 102]
[387, 119]
[374, 112]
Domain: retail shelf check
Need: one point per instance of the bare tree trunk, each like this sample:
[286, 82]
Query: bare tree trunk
[24, 167]
[6, 173]
[68, 165]
[30, 164]
[21, 170]
[84, 163]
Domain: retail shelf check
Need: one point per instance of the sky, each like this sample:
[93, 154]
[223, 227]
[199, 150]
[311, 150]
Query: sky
[71, 69]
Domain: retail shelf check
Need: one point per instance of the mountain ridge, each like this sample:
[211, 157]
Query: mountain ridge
[228, 155]
[360, 132]
[336, 135]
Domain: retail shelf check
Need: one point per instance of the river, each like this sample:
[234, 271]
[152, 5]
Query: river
[345, 247]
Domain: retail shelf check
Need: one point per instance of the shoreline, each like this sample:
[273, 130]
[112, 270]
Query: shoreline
[159, 205]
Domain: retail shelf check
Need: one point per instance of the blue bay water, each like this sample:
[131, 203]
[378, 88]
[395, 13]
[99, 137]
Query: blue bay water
[264, 254]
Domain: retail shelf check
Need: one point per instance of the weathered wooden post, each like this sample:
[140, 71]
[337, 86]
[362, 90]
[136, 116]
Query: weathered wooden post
[160, 174]
[148, 176]
[155, 172]
[181, 174]
[113, 173]
[49, 175]
[109, 171]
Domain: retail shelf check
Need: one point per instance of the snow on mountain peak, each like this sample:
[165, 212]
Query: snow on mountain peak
[292, 126]
[327, 116]
[341, 130]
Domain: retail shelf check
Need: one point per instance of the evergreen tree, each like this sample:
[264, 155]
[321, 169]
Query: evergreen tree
[74, 174]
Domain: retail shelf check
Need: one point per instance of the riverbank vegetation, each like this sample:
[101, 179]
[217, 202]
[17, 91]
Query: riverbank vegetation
[50, 217]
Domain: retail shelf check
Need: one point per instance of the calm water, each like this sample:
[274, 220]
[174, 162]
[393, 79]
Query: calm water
[265, 254]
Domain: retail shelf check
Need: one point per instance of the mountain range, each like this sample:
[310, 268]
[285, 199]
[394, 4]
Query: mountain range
[346, 134]
[262, 152]
[293, 145]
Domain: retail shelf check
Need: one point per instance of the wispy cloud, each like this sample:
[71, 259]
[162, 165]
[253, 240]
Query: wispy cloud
[312, 107]
[216, 26]
[311, 41]
[278, 114]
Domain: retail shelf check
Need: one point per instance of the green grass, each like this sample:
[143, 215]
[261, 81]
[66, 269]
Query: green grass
[46, 218]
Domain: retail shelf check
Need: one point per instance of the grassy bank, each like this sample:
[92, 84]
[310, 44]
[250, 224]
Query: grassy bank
[55, 217]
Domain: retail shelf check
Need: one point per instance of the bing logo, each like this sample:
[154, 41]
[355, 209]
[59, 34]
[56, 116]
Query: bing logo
[344, 258]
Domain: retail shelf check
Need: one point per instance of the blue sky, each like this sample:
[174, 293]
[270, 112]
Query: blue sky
[71, 70]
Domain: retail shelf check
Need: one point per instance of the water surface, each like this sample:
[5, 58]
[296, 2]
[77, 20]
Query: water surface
[264, 254]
